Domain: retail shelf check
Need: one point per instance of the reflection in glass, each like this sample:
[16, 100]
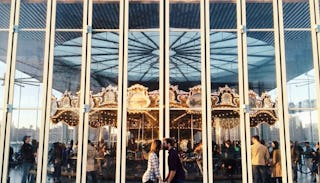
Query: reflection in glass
[143, 15]
[262, 101]
[28, 77]
[101, 155]
[223, 59]
[185, 14]
[5, 7]
[67, 61]
[3, 59]
[296, 14]
[226, 142]
[25, 125]
[185, 65]
[104, 60]
[64, 118]
[69, 14]
[259, 14]
[261, 61]
[299, 67]
[303, 126]
[33, 14]
[142, 128]
[105, 14]
[185, 89]
[223, 15]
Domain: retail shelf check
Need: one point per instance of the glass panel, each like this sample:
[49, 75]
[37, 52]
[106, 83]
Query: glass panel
[185, 89]
[27, 94]
[296, 14]
[145, 15]
[143, 91]
[185, 15]
[33, 14]
[3, 59]
[64, 119]
[5, 7]
[143, 101]
[69, 14]
[225, 111]
[304, 136]
[301, 88]
[28, 77]
[223, 15]
[105, 14]
[299, 67]
[103, 115]
[259, 14]
[24, 137]
[262, 101]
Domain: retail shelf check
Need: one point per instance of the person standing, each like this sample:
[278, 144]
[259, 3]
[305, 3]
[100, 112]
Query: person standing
[91, 155]
[295, 159]
[276, 163]
[28, 159]
[259, 157]
[152, 174]
[176, 172]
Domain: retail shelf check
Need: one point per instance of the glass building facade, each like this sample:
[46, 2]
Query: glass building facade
[120, 73]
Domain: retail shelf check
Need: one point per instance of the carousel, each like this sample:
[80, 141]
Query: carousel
[185, 111]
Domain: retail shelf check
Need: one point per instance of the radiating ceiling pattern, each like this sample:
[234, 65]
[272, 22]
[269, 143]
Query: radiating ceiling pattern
[143, 44]
[184, 54]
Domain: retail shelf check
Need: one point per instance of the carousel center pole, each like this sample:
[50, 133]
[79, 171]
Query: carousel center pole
[192, 140]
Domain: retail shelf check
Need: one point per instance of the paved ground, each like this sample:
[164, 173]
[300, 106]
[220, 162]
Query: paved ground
[16, 174]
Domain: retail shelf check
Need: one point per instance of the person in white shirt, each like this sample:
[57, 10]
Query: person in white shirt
[259, 157]
[152, 174]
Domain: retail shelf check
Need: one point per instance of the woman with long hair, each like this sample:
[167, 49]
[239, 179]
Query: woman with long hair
[276, 163]
[152, 174]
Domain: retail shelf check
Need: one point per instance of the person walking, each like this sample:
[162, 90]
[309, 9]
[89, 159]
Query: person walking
[176, 172]
[259, 157]
[152, 174]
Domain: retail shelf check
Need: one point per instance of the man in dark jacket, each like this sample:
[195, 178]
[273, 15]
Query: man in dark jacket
[176, 172]
[28, 159]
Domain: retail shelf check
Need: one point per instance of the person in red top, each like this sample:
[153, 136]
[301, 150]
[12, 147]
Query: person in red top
[176, 172]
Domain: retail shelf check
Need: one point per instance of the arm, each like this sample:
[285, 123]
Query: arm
[172, 173]
[155, 166]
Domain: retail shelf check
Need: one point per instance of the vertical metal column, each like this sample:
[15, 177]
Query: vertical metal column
[205, 98]
[284, 142]
[123, 69]
[243, 93]
[9, 86]
[85, 71]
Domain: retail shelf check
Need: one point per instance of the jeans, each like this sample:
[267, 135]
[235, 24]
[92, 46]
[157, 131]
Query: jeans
[26, 167]
[259, 173]
[93, 175]
[294, 171]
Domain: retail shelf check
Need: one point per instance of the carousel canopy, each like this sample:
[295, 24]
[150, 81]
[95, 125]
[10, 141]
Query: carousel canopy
[144, 44]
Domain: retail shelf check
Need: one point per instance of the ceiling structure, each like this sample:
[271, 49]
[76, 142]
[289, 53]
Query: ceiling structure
[143, 50]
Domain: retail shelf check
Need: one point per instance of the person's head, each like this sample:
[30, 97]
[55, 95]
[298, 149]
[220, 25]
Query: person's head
[275, 144]
[168, 143]
[227, 143]
[255, 139]
[26, 139]
[307, 144]
[155, 146]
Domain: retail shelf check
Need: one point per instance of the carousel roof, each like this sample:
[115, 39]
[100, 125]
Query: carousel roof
[143, 50]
